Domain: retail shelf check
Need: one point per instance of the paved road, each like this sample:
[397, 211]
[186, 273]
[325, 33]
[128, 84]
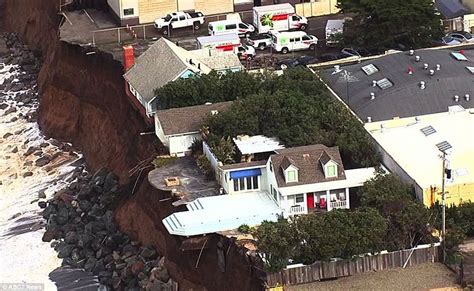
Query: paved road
[186, 38]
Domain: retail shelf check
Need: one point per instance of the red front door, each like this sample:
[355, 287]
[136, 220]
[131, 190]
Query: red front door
[310, 200]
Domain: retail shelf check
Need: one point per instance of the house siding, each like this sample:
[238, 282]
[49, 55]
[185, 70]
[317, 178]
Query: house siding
[214, 6]
[152, 9]
[159, 132]
[180, 145]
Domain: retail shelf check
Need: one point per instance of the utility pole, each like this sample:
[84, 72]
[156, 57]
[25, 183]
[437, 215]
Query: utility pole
[443, 207]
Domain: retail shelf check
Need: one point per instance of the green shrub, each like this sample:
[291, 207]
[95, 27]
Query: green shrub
[244, 228]
[159, 162]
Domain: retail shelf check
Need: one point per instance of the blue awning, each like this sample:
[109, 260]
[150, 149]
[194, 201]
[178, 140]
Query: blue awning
[245, 173]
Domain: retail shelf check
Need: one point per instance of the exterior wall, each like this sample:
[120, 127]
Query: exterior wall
[152, 9]
[455, 194]
[159, 132]
[208, 7]
[179, 144]
[212, 159]
[186, 5]
[115, 6]
[322, 7]
[469, 21]
[228, 184]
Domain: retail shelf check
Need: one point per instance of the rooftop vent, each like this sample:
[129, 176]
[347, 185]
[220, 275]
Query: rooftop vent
[208, 103]
[443, 146]
[422, 85]
[369, 119]
[214, 112]
[372, 95]
[438, 67]
[370, 69]
[411, 52]
[425, 66]
[456, 98]
[458, 56]
[432, 72]
[384, 83]
[467, 97]
[429, 130]
[417, 58]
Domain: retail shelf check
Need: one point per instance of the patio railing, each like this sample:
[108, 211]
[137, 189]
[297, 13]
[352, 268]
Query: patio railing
[297, 209]
[338, 204]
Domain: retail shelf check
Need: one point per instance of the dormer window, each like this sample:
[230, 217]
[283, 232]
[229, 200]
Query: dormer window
[291, 174]
[331, 171]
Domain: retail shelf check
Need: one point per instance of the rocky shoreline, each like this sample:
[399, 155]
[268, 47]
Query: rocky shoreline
[80, 221]
[79, 215]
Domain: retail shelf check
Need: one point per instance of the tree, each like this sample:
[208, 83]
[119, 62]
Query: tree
[380, 24]
[223, 148]
[278, 241]
[408, 219]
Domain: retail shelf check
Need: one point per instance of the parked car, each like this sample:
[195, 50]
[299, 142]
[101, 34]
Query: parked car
[461, 36]
[178, 20]
[230, 26]
[293, 63]
[286, 42]
[260, 41]
[448, 40]
[245, 52]
[327, 57]
[355, 52]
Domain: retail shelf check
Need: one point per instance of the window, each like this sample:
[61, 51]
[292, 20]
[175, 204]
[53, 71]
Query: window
[255, 182]
[230, 26]
[291, 176]
[242, 183]
[299, 198]
[241, 25]
[249, 183]
[292, 39]
[331, 170]
[295, 18]
[182, 17]
[236, 185]
[306, 37]
[128, 11]
[271, 167]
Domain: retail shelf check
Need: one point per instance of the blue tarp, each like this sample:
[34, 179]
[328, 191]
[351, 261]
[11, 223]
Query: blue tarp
[245, 173]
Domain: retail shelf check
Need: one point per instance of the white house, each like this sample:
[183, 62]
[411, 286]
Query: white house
[289, 182]
[178, 128]
[300, 180]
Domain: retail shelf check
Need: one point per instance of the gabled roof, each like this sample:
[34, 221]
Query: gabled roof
[188, 119]
[287, 162]
[160, 64]
[325, 158]
[451, 8]
[308, 161]
[405, 98]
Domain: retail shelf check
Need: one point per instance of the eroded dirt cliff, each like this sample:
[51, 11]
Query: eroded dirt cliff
[83, 102]
[83, 96]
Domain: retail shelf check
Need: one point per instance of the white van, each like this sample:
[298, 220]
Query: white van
[286, 42]
[230, 26]
[224, 42]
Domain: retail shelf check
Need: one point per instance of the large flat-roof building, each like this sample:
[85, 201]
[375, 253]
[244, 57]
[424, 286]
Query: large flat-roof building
[414, 148]
[411, 102]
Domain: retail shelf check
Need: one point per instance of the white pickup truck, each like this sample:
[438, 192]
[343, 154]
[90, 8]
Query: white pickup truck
[178, 20]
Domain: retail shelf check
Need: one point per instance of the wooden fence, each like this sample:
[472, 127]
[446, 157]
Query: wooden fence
[342, 268]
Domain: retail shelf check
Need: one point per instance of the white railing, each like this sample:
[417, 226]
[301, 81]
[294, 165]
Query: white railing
[297, 209]
[338, 204]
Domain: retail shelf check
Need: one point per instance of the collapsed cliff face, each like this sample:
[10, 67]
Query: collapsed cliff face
[141, 217]
[83, 96]
[83, 101]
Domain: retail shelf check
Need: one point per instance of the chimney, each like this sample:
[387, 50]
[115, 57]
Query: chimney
[456, 98]
[128, 57]
[467, 97]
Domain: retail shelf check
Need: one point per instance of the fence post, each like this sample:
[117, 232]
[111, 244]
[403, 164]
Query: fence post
[144, 33]
[118, 34]
[93, 38]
